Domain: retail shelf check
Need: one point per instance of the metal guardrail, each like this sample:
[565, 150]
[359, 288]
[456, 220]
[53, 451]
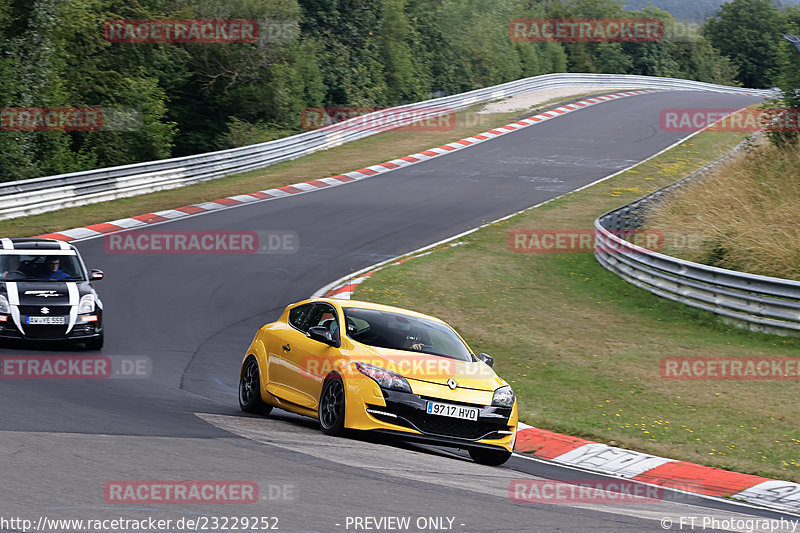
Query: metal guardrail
[38, 195]
[761, 303]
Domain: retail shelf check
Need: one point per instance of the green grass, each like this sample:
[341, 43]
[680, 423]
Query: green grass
[745, 214]
[346, 158]
[582, 347]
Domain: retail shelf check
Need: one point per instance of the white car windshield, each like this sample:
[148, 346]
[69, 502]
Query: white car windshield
[384, 329]
[40, 267]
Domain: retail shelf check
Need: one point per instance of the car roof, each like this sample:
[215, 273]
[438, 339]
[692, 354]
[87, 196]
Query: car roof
[339, 302]
[34, 244]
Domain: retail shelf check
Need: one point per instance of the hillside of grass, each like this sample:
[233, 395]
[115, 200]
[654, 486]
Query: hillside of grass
[744, 216]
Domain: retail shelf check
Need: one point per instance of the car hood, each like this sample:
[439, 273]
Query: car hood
[47, 292]
[434, 369]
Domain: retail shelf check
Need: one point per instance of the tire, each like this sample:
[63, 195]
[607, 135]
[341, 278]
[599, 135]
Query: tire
[489, 457]
[331, 406]
[95, 343]
[250, 389]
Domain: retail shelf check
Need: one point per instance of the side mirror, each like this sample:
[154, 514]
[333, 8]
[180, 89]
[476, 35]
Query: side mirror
[321, 334]
[486, 358]
[95, 275]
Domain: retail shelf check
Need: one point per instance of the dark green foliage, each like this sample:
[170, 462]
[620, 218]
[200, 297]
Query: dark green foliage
[164, 99]
[749, 32]
[788, 80]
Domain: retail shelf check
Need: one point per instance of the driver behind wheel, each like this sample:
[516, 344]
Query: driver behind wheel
[414, 341]
[411, 339]
[52, 270]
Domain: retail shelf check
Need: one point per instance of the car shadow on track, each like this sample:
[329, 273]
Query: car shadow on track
[305, 423]
[44, 346]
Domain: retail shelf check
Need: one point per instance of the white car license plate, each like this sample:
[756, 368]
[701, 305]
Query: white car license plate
[48, 320]
[453, 411]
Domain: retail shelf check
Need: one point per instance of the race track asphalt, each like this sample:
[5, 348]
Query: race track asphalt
[194, 315]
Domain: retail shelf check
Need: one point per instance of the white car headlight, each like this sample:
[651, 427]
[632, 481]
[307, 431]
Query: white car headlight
[87, 304]
[385, 378]
[503, 397]
[4, 307]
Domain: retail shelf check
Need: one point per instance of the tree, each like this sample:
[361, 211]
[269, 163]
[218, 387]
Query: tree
[591, 57]
[122, 80]
[653, 58]
[749, 32]
[349, 61]
[788, 80]
[697, 59]
[394, 47]
[32, 67]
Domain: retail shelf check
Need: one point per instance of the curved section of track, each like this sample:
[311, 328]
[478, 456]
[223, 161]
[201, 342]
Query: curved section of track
[194, 315]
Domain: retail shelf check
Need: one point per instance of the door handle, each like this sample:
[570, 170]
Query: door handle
[287, 348]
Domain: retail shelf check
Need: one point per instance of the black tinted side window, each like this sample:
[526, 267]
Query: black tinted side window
[298, 317]
[324, 315]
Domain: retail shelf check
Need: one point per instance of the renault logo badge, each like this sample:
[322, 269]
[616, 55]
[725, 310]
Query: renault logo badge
[452, 384]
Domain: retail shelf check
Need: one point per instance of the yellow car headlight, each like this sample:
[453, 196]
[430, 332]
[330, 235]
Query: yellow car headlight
[386, 379]
[503, 397]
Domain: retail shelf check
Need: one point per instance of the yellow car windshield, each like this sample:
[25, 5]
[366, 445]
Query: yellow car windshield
[385, 329]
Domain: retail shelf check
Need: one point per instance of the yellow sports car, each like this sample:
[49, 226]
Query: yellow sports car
[365, 366]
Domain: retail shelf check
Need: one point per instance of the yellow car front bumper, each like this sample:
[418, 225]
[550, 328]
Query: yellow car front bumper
[369, 408]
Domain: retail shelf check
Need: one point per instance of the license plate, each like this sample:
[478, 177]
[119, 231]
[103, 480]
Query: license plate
[47, 320]
[453, 411]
